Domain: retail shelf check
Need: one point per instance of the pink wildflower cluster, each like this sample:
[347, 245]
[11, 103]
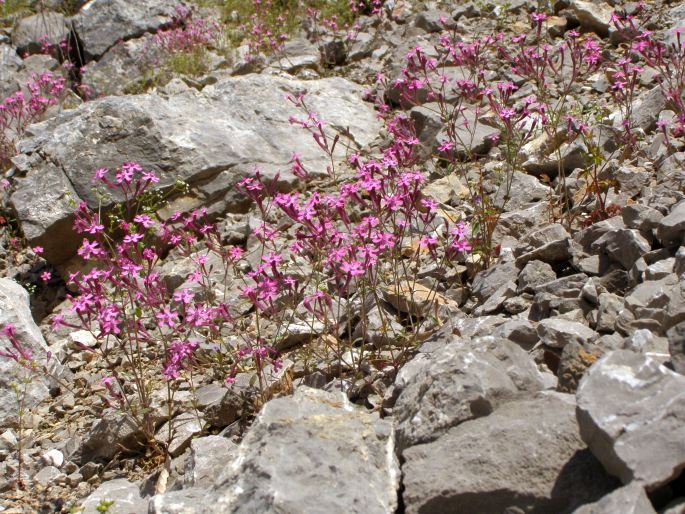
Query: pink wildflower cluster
[19, 110]
[187, 33]
[667, 61]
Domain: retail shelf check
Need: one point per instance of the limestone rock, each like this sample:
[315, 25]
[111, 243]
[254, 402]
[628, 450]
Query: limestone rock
[631, 413]
[525, 457]
[464, 379]
[15, 311]
[303, 445]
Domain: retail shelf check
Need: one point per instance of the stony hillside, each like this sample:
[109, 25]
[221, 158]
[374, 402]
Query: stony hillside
[320, 256]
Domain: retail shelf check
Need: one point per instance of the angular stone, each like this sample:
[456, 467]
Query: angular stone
[594, 16]
[112, 433]
[645, 110]
[622, 246]
[10, 65]
[610, 306]
[575, 361]
[15, 310]
[48, 475]
[672, 227]
[118, 69]
[299, 446]
[676, 347]
[102, 23]
[219, 405]
[486, 282]
[209, 456]
[533, 274]
[629, 499]
[631, 413]
[175, 138]
[191, 500]
[525, 457]
[523, 190]
[558, 332]
[591, 234]
[28, 34]
[177, 433]
[519, 331]
[434, 20]
[464, 379]
[124, 495]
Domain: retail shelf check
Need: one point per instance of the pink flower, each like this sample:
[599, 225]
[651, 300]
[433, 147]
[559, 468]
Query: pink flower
[45, 276]
[38, 250]
[167, 318]
[89, 250]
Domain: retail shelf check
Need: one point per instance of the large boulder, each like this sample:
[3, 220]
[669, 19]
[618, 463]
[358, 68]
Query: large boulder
[464, 379]
[313, 452]
[631, 412]
[10, 65]
[525, 457]
[175, 138]
[15, 311]
[30, 33]
[100, 24]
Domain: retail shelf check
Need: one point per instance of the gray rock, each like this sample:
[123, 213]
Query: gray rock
[517, 223]
[676, 347]
[551, 244]
[486, 282]
[533, 274]
[629, 499]
[220, 406]
[100, 24]
[209, 456]
[434, 20]
[299, 446]
[622, 246]
[594, 16]
[646, 341]
[10, 65]
[15, 310]
[672, 227]
[631, 413]
[301, 53]
[574, 362]
[186, 501]
[591, 234]
[110, 434]
[645, 110]
[29, 32]
[610, 306]
[660, 269]
[177, 433]
[558, 332]
[474, 138]
[523, 190]
[464, 379]
[641, 217]
[121, 67]
[177, 140]
[124, 495]
[662, 301]
[519, 331]
[486, 465]
[48, 475]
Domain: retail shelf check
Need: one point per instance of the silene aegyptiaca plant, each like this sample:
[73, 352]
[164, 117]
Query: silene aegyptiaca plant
[317, 263]
[24, 107]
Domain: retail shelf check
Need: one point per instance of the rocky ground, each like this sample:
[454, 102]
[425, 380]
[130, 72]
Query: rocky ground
[551, 381]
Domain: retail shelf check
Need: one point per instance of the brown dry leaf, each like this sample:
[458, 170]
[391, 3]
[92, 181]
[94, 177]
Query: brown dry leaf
[414, 248]
[415, 299]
